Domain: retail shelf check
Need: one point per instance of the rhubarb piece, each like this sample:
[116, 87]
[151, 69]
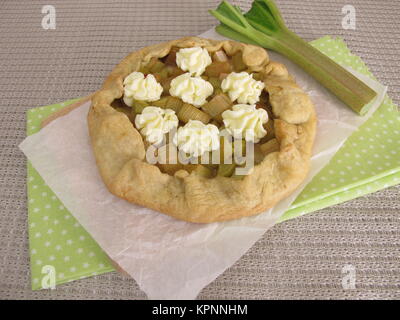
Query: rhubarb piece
[174, 71]
[166, 84]
[220, 56]
[241, 151]
[216, 68]
[189, 112]
[217, 105]
[161, 75]
[161, 103]
[145, 70]
[150, 64]
[174, 103]
[258, 76]
[170, 168]
[237, 61]
[138, 106]
[155, 65]
[203, 171]
[216, 82]
[167, 156]
[217, 92]
[226, 170]
[225, 150]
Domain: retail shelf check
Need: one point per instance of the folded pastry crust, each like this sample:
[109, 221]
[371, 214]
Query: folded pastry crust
[120, 151]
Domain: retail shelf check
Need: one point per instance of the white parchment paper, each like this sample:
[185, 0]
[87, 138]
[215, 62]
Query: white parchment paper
[170, 259]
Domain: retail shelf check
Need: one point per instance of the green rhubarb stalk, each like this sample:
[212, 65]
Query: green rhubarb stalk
[263, 25]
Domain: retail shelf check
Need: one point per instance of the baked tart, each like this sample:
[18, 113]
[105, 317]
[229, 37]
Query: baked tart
[202, 130]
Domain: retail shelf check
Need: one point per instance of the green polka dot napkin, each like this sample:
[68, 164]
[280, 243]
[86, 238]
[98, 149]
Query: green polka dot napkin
[55, 237]
[368, 161]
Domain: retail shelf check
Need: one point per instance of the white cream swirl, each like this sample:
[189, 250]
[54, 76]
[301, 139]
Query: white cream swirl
[194, 60]
[245, 121]
[242, 87]
[193, 90]
[139, 87]
[196, 138]
[154, 122]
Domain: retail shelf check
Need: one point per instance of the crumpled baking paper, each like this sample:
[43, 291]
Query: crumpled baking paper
[171, 259]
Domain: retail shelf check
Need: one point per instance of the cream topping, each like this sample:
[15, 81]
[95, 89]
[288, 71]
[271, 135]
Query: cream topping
[193, 90]
[245, 122]
[242, 87]
[154, 122]
[194, 60]
[139, 87]
[195, 138]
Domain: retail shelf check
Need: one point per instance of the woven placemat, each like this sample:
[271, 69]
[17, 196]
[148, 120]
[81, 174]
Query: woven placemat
[302, 258]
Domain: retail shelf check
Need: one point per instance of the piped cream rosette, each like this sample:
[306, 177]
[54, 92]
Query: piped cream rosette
[155, 122]
[139, 87]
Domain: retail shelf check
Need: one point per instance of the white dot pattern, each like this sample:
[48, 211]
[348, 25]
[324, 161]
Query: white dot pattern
[56, 238]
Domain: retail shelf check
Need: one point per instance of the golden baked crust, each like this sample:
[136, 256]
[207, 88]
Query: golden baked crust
[120, 152]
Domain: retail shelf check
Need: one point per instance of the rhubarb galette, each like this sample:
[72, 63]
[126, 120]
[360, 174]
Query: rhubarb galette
[202, 130]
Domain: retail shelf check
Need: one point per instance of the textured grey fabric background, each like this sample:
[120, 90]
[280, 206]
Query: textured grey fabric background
[298, 259]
